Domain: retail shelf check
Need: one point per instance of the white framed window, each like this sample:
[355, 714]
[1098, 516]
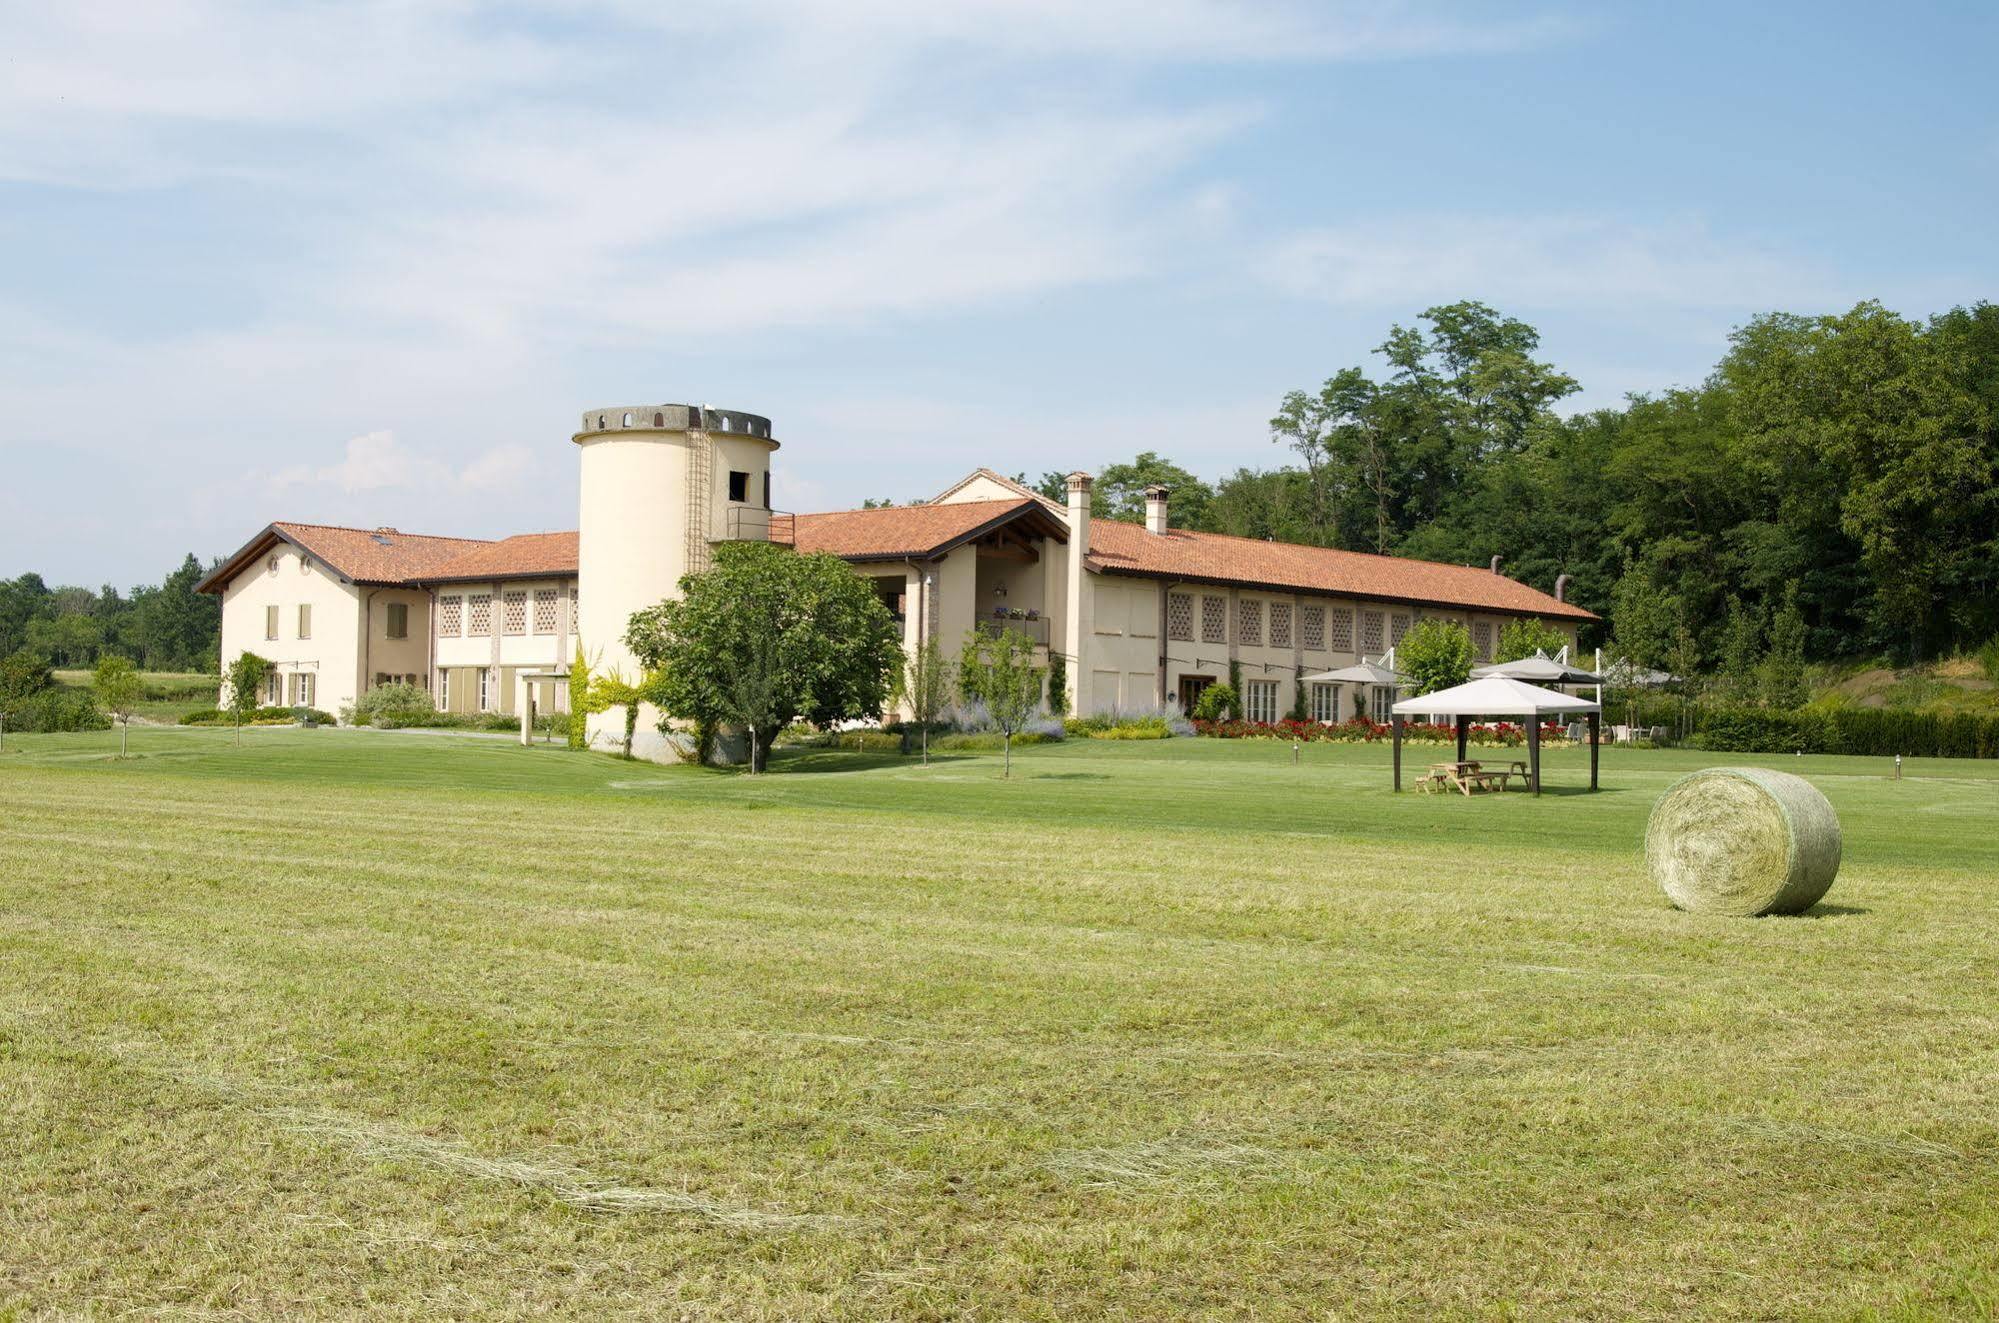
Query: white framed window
[485, 689]
[1384, 702]
[1325, 702]
[1259, 700]
[274, 688]
[305, 620]
[443, 690]
[301, 689]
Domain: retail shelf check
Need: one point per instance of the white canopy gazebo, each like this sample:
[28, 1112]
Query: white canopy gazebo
[1499, 696]
[1539, 669]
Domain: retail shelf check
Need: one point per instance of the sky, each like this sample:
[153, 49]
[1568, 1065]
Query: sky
[368, 262]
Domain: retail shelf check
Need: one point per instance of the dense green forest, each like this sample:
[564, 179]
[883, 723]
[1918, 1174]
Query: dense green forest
[1832, 486]
[162, 627]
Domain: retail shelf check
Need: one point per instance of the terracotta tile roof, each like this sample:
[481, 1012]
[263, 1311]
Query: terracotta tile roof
[524, 556]
[1121, 548]
[907, 530]
[375, 555]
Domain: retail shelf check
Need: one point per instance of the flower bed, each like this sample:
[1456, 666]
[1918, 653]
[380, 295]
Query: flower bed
[1362, 731]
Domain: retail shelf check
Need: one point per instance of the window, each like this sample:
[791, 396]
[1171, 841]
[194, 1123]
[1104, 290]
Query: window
[271, 565]
[1370, 631]
[479, 614]
[1325, 702]
[1259, 700]
[739, 486]
[1312, 627]
[485, 689]
[1249, 623]
[270, 622]
[301, 686]
[449, 615]
[515, 613]
[443, 690]
[1280, 624]
[1398, 625]
[1384, 701]
[398, 623]
[1342, 636]
[274, 690]
[305, 565]
[544, 610]
[1180, 617]
[766, 489]
[1481, 638]
[1214, 620]
[305, 620]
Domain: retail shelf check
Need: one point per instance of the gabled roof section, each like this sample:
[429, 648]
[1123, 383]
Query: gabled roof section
[1121, 548]
[902, 532]
[523, 556]
[378, 556]
[964, 490]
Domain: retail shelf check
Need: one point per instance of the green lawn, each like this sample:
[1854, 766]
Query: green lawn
[443, 1026]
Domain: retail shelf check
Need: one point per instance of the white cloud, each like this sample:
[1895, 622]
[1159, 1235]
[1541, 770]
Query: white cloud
[379, 461]
[1549, 261]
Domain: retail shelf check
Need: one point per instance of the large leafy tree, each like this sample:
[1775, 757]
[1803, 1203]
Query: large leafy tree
[768, 637]
[1433, 655]
[1119, 492]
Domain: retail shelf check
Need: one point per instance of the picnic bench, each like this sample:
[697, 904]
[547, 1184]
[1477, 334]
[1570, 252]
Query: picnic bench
[1467, 776]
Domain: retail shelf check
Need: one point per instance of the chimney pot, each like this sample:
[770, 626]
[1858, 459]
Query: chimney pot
[1155, 509]
[1562, 582]
[1495, 564]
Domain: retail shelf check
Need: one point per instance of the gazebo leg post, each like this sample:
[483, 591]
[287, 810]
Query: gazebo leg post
[1464, 731]
[1398, 753]
[1593, 720]
[1534, 751]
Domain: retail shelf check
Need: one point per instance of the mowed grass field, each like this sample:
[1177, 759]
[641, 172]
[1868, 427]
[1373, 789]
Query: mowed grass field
[432, 1026]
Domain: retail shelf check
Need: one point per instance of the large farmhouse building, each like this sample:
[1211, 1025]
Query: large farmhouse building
[1141, 613]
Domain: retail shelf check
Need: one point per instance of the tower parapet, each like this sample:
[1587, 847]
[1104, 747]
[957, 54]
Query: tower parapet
[674, 418]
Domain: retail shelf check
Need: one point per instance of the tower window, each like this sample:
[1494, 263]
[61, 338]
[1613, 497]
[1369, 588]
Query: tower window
[766, 489]
[739, 486]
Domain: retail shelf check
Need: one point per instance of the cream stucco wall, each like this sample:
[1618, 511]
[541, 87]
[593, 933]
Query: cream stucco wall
[330, 655]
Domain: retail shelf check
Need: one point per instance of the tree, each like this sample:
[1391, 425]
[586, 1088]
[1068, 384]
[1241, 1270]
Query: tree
[1524, 638]
[1646, 620]
[1433, 655]
[1781, 676]
[1119, 491]
[245, 678]
[768, 637]
[1741, 646]
[118, 691]
[1217, 702]
[925, 687]
[997, 669]
[579, 699]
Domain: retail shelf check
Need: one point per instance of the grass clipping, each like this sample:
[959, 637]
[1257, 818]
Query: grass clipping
[1744, 841]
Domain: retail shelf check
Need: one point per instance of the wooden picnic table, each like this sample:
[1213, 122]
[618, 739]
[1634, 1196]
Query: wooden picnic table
[1468, 774]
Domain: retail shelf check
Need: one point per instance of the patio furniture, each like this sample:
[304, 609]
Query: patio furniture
[1498, 696]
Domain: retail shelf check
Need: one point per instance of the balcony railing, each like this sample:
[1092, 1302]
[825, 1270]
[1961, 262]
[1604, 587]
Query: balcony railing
[751, 523]
[1035, 627]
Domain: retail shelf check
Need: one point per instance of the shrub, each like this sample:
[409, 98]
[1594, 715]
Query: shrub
[1136, 728]
[1868, 732]
[57, 708]
[391, 706]
[991, 741]
[262, 716]
[1988, 659]
[1217, 702]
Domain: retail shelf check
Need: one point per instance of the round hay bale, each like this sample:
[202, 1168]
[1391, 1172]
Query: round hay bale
[1743, 840]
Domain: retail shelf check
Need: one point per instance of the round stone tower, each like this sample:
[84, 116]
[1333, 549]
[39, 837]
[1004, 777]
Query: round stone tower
[661, 485]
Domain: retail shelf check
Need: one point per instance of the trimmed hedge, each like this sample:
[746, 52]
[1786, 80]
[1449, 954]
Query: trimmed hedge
[1867, 732]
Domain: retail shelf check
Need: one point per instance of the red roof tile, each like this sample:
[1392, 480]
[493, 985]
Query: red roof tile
[910, 530]
[1121, 548]
[524, 556]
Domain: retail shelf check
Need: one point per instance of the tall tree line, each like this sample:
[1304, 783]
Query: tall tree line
[161, 627]
[1832, 487]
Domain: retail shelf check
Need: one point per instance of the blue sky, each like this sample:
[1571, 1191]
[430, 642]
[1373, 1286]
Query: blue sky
[367, 262]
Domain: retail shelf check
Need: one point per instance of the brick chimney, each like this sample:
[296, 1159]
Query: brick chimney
[1155, 509]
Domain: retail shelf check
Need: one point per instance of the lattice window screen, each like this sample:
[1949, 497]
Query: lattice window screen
[479, 614]
[544, 610]
[450, 615]
[1370, 631]
[1249, 623]
[1214, 620]
[1180, 617]
[1481, 638]
[1280, 624]
[514, 619]
[1398, 625]
[1342, 640]
[1312, 626]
